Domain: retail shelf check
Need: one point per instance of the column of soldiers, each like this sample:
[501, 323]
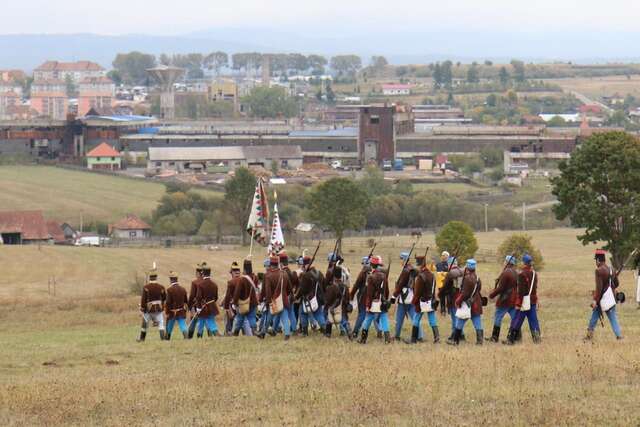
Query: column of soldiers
[281, 300]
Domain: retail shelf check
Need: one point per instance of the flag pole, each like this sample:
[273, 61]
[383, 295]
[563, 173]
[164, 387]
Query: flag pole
[253, 233]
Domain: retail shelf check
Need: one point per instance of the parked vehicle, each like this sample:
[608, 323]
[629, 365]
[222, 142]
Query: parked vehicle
[387, 165]
[398, 165]
[336, 164]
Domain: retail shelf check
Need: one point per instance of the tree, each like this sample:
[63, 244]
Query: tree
[517, 245]
[133, 66]
[338, 204]
[447, 74]
[215, 61]
[504, 76]
[297, 62]
[598, 191]
[437, 76]
[379, 62]
[331, 96]
[556, 121]
[238, 197]
[457, 235]
[317, 63]
[473, 75]
[488, 63]
[518, 70]
[115, 77]
[492, 156]
[373, 183]
[492, 100]
[346, 64]
[270, 102]
[192, 62]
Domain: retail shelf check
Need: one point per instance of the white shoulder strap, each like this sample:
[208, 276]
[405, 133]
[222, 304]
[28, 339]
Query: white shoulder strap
[533, 280]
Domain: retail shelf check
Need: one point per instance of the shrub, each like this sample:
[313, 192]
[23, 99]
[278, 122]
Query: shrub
[518, 245]
[457, 235]
[137, 283]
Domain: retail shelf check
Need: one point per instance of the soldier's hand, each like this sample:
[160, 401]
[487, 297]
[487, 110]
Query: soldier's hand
[593, 305]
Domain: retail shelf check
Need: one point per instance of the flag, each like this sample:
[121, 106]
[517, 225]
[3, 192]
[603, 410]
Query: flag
[277, 238]
[259, 216]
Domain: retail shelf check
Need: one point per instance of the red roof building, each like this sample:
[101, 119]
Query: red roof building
[130, 227]
[104, 157]
[78, 70]
[23, 227]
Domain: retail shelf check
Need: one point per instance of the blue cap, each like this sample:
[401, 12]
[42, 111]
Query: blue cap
[404, 256]
[451, 261]
[511, 260]
[365, 260]
[471, 264]
[300, 260]
[266, 262]
[332, 257]
[527, 259]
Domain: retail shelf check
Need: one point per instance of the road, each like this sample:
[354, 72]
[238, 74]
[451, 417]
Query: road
[533, 206]
[586, 100]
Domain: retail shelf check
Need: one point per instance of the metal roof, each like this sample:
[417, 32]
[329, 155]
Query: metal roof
[331, 133]
[195, 153]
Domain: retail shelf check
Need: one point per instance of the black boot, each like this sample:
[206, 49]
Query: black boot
[163, 336]
[236, 333]
[455, 338]
[348, 332]
[379, 335]
[414, 335]
[200, 334]
[436, 334]
[209, 333]
[363, 337]
[536, 337]
[495, 335]
[327, 330]
[305, 331]
[462, 337]
[167, 336]
[511, 337]
[143, 335]
[479, 337]
[185, 335]
[519, 335]
[387, 338]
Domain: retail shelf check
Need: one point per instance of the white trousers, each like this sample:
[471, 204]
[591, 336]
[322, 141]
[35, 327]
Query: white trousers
[155, 317]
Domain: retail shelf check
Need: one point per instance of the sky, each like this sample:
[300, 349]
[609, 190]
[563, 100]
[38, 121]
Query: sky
[340, 17]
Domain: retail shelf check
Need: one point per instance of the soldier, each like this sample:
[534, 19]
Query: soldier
[359, 290]
[337, 302]
[293, 280]
[265, 319]
[151, 305]
[527, 288]
[311, 293]
[278, 288]
[206, 301]
[443, 265]
[423, 301]
[403, 293]
[192, 298]
[604, 297]
[449, 292]
[506, 291]
[246, 300]
[227, 301]
[376, 301]
[470, 299]
[176, 306]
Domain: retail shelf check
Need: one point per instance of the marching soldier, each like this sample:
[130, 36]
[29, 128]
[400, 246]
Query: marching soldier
[152, 305]
[176, 306]
[227, 302]
[376, 301]
[192, 298]
[277, 289]
[449, 292]
[423, 301]
[337, 302]
[245, 299]
[206, 301]
[403, 294]
[469, 304]
[359, 290]
[527, 288]
[311, 293]
[506, 291]
[604, 297]
[293, 280]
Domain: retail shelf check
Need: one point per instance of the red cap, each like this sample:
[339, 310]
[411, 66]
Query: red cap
[376, 260]
[601, 252]
[274, 260]
[283, 255]
[306, 260]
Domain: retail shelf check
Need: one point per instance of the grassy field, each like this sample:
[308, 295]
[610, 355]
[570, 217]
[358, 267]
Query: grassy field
[597, 87]
[72, 358]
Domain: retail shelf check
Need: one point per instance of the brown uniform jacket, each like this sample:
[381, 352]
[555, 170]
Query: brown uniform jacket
[524, 283]
[506, 289]
[404, 280]
[360, 285]
[293, 281]
[207, 297]
[192, 293]
[337, 295]
[449, 290]
[377, 286]
[228, 295]
[423, 288]
[468, 284]
[308, 281]
[152, 292]
[243, 289]
[175, 306]
[276, 281]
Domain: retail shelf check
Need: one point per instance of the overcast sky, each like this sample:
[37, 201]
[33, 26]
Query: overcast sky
[170, 17]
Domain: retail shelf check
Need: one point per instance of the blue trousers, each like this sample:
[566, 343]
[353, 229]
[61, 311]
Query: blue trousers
[454, 319]
[210, 322]
[433, 321]
[476, 320]
[362, 313]
[531, 316]
[240, 319]
[181, 324]
[317, 315]
[293, 320]
[283, 317]
[501, 312]
[382, 319]
[402, 311]
[613, 320]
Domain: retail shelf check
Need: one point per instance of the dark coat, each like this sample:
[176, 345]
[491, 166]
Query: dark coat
[377, 286]
[193, 292]
[152, 291]
[468, 284]
[276, 282]
[524, 283]
[243, 289]
[207, 297]
[423, 288]
[337, 295]
[176, 303]
[450, 289]
[506, 289]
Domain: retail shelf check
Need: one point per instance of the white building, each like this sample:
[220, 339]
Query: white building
[396, 89]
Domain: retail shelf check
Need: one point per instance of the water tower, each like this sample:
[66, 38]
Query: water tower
[166, 76]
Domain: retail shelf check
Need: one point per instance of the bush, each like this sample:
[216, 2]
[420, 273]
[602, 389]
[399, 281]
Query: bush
[137, 283]
[518, 245]
[457, 235]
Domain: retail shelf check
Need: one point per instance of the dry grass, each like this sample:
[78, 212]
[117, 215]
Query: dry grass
[598, 87]
[75, 361]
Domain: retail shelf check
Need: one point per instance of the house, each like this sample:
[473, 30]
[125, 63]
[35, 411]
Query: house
[396, 89]
[23, 227]
[223, 90]
[8, 100]
[56, 233]
[69, 232]
[77, 71]
[130, 227]
[49, 98]
[96, 93]
[104, 157]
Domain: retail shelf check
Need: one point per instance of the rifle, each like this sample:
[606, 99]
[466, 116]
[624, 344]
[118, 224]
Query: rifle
[503, 270]
[314, 256]
[335, 251]
[456, 252]
[371, 252]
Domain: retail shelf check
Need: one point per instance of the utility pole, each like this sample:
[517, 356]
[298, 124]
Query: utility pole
[486, 217]
[524, 216]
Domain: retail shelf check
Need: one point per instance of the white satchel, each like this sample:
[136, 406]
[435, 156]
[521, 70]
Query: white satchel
[464, 312]
[427, 306]
[526, 300]
[608, 299]
[311, 306]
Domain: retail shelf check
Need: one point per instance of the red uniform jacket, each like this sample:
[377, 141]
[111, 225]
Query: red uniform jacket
[360, 285]
[152, 292]
[243, 289]
[228, 295]
[468, 284]
[337, 295]
[176, 304]
[506, 289]
[293, 281]
[193, 292]
[404, 280]
[276, 281]
[524, 283]
[423, 288]
[377, 285]
[450, 291]
[207, 297]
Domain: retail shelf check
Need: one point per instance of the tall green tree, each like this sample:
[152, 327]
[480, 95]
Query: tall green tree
[518, 70]
[133, 66]
[238, 197]
[598, 191]
[216, 60]
[504, 77]
[346, 64]
[473, 74]
[338, 204]
[270, 102]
